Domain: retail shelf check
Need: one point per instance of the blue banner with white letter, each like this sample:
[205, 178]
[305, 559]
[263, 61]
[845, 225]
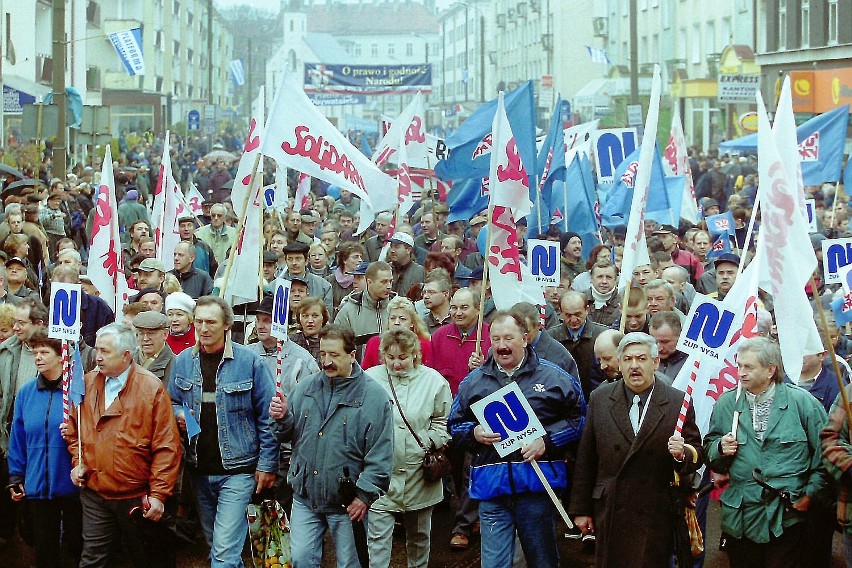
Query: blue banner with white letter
[368, 79]
[128, 45]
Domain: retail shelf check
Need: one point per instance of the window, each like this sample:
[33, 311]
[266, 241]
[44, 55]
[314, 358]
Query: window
[806, 23]
[374, 49]
[681, 44]
[710, 38]
[665, 13]
[391, 50]
[357, 50]
[409, 49]
[782, 25]
[695, 57]
[832, 22]
[726, 31]
[643, 4]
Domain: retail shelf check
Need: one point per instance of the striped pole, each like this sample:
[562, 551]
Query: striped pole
[66, 380]
[687, 399]
[278, 366]
[541, 311]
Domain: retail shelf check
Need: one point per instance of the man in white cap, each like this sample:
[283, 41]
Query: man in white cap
[153, 354]
[180, 308]
[406, 272]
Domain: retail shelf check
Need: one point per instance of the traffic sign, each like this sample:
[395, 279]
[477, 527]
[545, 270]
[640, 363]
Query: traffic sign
[193, 121]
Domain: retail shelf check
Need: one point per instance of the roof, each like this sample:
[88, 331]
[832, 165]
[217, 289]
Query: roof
[382, 18]
[326, 48]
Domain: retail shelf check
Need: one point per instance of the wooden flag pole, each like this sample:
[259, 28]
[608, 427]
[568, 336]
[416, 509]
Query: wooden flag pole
[843, 396]
[240, 226]
[484, 282]
[556, 502]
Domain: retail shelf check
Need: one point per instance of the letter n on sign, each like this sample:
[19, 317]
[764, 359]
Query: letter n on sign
[508, 413]
[65, 300]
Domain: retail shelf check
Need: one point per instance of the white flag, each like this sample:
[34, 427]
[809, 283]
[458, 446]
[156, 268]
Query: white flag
[298, 136]
[676, 163]
[509, 194]
[717, 377]
[784, 256]
[194, 199]
[106, 264]
[409, 129]
[244, 280]
[510, 185]
[175, 209]
[251, 150]
[635, 247]
[161, 223]
[303, 188]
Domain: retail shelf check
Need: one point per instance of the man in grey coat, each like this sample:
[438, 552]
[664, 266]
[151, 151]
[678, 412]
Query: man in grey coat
[340, 423]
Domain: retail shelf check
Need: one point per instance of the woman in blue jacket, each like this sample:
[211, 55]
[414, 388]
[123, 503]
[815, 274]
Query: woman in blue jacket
[39, 462]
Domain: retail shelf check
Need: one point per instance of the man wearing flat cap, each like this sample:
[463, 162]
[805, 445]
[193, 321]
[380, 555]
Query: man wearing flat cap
[669, 237]
[152, 328]
[152, 274]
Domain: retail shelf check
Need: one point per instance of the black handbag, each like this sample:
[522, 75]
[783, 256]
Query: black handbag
[435, 465]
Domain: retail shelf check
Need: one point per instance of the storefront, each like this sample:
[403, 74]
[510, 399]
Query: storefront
[17, 92]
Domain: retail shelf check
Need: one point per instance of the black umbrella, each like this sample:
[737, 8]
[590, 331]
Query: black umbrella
[17, 187]
[9, 170]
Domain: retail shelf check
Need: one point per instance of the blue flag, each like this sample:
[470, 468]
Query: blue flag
[466, 199]
[76, 384]
[550, 167]
[365, 147]
[721, 223]
[674, 190]
[470, 144]
[616, 209]
[847, 177]
[576, 202]
[192, 427]
[720, 246]
[821, 144]
[842, 308]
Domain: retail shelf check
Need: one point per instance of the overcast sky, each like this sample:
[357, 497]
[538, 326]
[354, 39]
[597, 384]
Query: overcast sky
[268, 5]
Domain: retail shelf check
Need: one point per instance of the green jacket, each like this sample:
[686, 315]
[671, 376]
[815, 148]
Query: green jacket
[789, 456]
[10, 358]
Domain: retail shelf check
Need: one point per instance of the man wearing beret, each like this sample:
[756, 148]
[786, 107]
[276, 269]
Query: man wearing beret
[152, 328]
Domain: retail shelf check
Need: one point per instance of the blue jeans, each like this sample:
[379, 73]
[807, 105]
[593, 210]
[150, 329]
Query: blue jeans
[222, 502]
[306, 531]
[533, 516]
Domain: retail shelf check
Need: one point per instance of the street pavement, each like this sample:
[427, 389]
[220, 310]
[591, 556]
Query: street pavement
[17, 555]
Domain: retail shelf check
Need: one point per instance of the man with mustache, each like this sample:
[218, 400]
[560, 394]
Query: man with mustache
[334, 438]
[511, 497]
[622, 480]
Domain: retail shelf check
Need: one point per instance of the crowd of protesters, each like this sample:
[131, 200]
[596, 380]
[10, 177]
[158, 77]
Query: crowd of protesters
[182, 426]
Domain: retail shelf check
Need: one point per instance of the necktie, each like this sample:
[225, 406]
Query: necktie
[634, 413]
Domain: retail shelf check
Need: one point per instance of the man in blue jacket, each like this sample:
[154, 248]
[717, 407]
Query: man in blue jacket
[511, 496]
[340, 422]
[226, 388]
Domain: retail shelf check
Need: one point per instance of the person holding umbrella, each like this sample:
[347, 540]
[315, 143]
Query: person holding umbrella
[39, 461]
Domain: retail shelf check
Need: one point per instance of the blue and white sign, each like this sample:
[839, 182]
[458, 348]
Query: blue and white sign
[836, 253]
[193, 121]
[544, 261]
[65, 301]
[128, 45]
[508, 413]
[810, 215]
[280, 309]
[708, 329]
[610, 147]
[237, 74]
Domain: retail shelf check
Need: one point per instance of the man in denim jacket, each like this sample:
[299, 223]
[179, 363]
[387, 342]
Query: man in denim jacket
[227, 389]
[340, 422]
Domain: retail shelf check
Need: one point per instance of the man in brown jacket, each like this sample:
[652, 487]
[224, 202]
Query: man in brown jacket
[131, 452]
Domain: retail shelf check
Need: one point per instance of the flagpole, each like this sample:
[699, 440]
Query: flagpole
[538, 203]
[260, 254]
[431, 173]
[844, 397]
[240, 226]
[484, 280]
[749, 232]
